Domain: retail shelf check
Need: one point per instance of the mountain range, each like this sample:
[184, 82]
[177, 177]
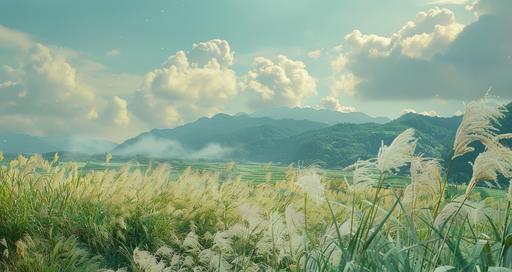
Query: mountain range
[15, 143]
[319, 115]
[263, 139]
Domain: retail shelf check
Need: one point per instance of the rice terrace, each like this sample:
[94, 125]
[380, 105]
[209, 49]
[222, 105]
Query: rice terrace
[288, 135]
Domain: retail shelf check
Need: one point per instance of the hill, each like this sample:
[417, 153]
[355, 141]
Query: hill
[261, 139]
[23, 143]
[16, 143]
[319, 115]
[221, 133]
[342, 144]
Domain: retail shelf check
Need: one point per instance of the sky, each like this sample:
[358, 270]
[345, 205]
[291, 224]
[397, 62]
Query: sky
[112, 69]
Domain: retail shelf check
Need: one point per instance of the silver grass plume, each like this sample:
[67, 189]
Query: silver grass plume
[214, 260]
[399, 153]
[310, 183]
[474, 211]
[191, 242]
[250, 214]
[425, 179]
[294, 219]
[147, 262]
[363, 172]
[478, 124]
[489, 164]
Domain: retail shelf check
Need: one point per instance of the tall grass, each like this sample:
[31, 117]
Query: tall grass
[54, 219]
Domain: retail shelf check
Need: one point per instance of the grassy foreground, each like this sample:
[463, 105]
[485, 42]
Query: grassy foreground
[53, 217]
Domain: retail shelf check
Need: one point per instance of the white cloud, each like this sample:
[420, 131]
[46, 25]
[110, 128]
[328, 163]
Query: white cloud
[344, 83]
[449, 2]
[120, 109]
[14, 39]
[45, 93]
[45, 83]
[428, 34]
[285, 82]
[204, 52]
[373, 45]
[113, 52]
[431, 113]
[187, 86]
[433, 56]
[334, 104]
[315, 54]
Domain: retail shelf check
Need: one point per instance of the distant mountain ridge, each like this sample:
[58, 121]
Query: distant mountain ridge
[23, 143]
[319, 115]
[225, 130]
[262, 139]
[16, 143]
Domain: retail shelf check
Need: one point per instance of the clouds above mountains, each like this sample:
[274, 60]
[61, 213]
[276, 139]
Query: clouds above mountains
[43, 94]
[431, 56]
[187, 86]
[201, 83]
[46, 89]
[284, 82]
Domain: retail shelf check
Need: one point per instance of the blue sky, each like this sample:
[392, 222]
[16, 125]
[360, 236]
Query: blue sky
[149, 31]
[379, 57]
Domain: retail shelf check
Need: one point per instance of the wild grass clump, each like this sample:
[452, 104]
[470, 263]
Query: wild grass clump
[52, 218]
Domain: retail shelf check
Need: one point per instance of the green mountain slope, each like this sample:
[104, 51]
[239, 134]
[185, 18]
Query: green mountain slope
[293, 141]
[16, 143]
[342, 144]
[234, 132]
[288, 141]
[22, 143]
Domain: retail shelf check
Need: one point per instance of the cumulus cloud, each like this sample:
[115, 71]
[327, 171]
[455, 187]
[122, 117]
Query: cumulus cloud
[431, 113]
[315, 54]
[204, 52]
[113, 52]
[14, 39]
[285, 82]
[432, 56]
[119, 111]
[44, 93]
[334, 104]
[428, 34]
[187, 86]
[344, 83]
[42, 82]
[372, 44]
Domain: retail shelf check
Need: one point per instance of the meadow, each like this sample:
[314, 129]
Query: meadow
[393, 212]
